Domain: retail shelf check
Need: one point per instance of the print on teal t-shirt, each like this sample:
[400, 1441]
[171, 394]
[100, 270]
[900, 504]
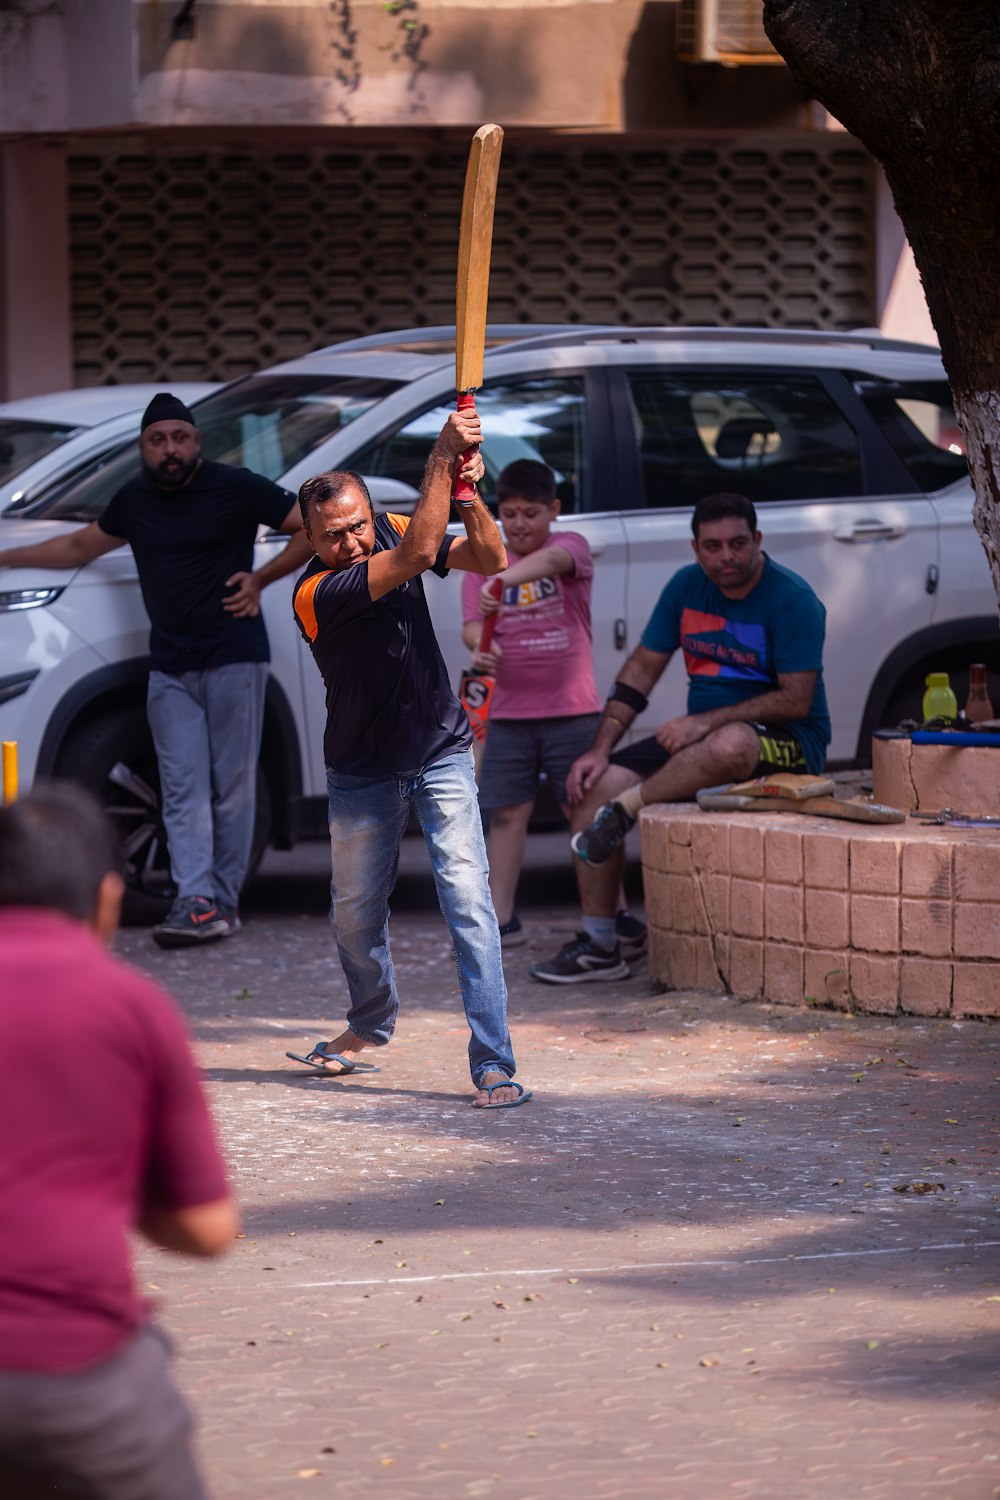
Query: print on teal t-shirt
[735, 649]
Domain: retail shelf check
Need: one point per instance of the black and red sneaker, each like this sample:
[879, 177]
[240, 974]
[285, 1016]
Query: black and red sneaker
[191, 920]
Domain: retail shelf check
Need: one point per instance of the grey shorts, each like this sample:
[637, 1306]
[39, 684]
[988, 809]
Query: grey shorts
[519, 750]
[119, 1430]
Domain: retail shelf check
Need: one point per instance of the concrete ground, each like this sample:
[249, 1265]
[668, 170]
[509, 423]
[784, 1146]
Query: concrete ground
[727, 1249]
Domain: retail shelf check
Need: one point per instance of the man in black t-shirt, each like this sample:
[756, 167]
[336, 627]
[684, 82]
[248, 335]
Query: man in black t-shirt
[192, 525]
[397, 737]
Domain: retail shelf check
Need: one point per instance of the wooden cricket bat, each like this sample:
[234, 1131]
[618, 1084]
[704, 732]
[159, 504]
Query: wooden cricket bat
[475, 242]
[721, 799]
[792, 785]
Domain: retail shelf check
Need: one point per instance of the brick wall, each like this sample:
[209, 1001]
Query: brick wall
[800, 910]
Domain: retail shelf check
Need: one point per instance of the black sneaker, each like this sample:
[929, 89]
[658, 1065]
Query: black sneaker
[191, 920]
[581, 961]
[599, 841]
[631, 933]
[512, 934]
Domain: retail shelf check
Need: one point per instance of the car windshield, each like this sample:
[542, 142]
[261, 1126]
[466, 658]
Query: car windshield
[266, 423]
[23, 443]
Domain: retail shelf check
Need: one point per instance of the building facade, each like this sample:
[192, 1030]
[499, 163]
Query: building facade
[196, 188]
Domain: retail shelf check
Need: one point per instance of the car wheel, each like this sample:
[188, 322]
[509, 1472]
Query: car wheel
[113, 757]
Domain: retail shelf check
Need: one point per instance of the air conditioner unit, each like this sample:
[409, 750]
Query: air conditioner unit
[723, 31]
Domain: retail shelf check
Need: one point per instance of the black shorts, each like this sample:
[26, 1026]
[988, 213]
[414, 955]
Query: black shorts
[779, 751]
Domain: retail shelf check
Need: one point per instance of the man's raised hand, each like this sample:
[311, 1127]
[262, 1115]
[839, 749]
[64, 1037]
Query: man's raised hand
[460, 431]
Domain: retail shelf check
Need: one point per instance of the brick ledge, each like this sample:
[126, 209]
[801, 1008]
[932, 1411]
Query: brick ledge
[879, 919]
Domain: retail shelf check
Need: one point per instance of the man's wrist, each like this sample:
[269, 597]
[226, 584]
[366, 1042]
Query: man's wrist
[609, 732]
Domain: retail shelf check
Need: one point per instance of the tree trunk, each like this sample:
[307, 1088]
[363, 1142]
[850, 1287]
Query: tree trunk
[918, 82]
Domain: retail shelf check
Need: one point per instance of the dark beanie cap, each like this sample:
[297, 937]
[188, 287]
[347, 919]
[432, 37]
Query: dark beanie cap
[166, 408]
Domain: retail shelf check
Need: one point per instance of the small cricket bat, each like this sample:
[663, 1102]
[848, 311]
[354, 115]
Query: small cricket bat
[475, 243]
[475, 689]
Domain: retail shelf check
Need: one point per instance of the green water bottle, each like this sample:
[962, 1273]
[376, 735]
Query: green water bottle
[939, 700]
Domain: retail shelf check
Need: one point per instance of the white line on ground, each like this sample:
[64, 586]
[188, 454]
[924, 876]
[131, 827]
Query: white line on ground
[654, 1265]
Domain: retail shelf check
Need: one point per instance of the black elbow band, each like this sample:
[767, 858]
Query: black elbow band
[629, 696]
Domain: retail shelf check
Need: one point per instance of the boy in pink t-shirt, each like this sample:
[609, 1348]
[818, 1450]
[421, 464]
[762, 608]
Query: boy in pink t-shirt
[545, 703]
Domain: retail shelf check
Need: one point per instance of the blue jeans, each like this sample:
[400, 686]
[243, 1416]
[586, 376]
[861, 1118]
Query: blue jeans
[367, 822]
[206, 727]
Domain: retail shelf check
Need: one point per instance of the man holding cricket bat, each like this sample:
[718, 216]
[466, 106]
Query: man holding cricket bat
[397, 736]
[752, 636]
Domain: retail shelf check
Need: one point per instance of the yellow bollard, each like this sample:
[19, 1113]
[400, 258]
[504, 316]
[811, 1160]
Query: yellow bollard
[9, 772]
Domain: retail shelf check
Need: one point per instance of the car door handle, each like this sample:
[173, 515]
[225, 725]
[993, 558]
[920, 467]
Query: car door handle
[869, 531]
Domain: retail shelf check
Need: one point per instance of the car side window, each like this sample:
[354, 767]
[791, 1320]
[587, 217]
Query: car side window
[767, 436]
[541, 419]
[918, 419]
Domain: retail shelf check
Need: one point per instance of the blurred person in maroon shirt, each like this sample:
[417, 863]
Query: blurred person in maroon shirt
[104, 1128]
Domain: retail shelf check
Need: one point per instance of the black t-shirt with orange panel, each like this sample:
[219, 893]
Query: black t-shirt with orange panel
[390, 710]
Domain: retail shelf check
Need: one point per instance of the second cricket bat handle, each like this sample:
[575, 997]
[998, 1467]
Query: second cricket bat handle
[490, 622]
[464, 490]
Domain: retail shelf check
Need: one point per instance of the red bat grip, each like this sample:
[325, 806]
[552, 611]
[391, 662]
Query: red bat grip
[490, 622]
[464, 490]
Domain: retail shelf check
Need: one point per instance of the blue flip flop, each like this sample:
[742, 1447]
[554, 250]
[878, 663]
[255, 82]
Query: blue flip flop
[321, 1051]
[523, 1094]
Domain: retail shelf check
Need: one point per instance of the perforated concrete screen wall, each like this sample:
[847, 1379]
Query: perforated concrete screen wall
[207, 263]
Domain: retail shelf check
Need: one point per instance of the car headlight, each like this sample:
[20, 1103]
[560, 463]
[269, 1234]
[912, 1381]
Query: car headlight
[27, 598]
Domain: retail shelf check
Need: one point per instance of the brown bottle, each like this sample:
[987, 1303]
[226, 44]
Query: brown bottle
[978, 706]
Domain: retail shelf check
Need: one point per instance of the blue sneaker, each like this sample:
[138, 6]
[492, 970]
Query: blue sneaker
[190, 921]
[604, 835]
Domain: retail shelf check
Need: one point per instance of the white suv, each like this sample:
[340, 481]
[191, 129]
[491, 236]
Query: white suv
[845, 442]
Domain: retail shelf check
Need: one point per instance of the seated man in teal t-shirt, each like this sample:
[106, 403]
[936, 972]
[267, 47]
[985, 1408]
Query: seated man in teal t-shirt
[752, 636]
